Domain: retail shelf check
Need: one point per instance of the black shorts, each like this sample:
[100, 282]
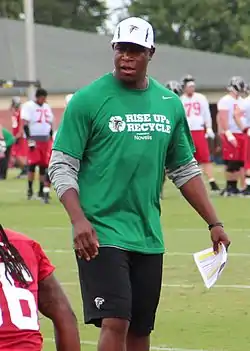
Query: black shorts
[121, 284]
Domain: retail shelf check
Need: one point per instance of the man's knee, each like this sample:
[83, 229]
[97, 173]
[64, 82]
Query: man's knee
[47, 179]
[137, 342]
[115, 326]
[139, 329]
[42, 170]
[113, 335]
[234, 166]
[32, 168]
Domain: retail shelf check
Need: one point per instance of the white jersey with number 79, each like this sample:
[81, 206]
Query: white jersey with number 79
[197, 111]
[39, 118]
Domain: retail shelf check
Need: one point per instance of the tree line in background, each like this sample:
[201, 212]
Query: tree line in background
[88, 15]
[221, 26]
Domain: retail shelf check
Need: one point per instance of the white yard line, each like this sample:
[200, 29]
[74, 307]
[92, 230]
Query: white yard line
[205, 229]
[233, 254]
[218, 286]
[12, 191]
[59, 251]
[156, 348]
[56, 228]
[184, 286]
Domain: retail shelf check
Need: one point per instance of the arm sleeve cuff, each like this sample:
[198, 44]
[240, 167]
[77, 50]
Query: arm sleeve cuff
[184, 173]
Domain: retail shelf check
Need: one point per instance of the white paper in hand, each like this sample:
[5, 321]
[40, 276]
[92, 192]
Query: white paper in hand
[211, 265]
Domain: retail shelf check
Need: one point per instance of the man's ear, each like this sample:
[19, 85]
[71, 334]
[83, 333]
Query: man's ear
[151, 53]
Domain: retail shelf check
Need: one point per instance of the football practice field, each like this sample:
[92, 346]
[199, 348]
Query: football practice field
[190, 317]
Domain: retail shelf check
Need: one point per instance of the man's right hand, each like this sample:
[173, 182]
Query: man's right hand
[85, 239]
[231, 138]
[2, 146]
[247, 131]
[31, 143]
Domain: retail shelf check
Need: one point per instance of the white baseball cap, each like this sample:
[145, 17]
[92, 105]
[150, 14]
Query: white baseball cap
[134, 30]
[190, 84]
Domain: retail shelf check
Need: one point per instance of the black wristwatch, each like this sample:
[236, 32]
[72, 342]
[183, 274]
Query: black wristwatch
[217, 224]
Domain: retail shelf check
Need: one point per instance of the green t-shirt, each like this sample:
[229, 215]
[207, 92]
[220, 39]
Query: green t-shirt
[123, 139]
[8, 137]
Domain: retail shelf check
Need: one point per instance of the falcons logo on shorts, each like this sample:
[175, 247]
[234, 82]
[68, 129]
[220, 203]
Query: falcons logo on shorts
[98, 302]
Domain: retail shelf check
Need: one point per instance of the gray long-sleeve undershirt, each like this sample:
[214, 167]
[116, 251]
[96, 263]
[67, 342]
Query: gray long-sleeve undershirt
[183, 174]
[63, 172]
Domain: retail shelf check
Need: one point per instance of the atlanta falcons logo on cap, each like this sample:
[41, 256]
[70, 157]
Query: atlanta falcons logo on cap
[132, 28]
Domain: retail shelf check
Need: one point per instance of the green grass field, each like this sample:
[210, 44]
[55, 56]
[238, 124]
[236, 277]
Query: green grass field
[190, 317]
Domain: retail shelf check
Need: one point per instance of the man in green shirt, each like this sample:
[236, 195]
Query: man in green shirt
[6, 141]
[116, 137]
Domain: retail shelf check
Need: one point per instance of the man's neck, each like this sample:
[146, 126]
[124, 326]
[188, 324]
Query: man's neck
[141, 84]
[38, 104]
[235, 96]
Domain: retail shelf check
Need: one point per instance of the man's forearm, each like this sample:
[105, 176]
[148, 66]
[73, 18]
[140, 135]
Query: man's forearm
[26, 130]
[66, 332]
[188, 179]
[195, 193]
[70, 201]
[239, 120]
[223, 120]
[208, 120]
[54, 304]
[68, 338]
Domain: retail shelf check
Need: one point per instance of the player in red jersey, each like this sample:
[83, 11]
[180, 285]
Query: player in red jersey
[242, 118]
[37, 118]
[27, 285]
[232, 136]
[199, 120]
[19, 149]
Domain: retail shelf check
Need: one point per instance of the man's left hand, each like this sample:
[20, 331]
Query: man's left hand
[247, 131]
[2, 146]
[210, 133]
[31, 143]
[219, 236]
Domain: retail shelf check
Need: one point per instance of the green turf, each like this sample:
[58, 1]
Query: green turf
[189, 316]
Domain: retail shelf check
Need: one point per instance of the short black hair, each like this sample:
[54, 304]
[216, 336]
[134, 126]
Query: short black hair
[41, 92]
